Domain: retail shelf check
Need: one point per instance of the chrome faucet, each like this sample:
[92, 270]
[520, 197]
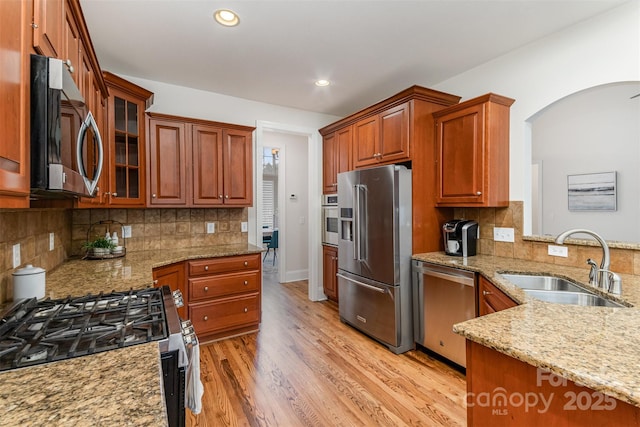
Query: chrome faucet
[599, 277]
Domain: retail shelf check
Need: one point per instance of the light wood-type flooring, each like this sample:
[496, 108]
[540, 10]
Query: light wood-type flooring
[306, 368]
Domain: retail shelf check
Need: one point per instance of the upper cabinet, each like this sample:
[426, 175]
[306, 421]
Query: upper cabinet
[473, 153]
[198, 163]
[383, 138]
[48, 27]
[125, 142]
[15, 46]
[336, 157]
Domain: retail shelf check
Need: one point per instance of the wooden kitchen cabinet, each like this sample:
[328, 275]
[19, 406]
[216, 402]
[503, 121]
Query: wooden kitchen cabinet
[15, 41]
[173, 276]
[48, 27]
[125, 142]
[224, 295]
[473, 153]
[498, 385]
[492, 299]
[336, 158]
[198, 163]
[329, 270]
[383, 138]
[400, 129]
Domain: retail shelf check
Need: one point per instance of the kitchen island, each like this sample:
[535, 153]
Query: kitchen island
[596, 347]
[113, 388]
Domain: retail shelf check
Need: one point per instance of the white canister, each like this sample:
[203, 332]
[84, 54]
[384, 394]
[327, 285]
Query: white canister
[28, 282]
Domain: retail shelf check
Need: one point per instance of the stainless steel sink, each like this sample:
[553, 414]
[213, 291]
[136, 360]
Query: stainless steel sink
[544, 283]
[568, 297]
[557, 290]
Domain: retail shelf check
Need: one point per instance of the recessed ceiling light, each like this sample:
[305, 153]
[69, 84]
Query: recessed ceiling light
[322, 83]
[226, 17]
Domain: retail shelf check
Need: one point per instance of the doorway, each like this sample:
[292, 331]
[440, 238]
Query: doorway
[270, 211]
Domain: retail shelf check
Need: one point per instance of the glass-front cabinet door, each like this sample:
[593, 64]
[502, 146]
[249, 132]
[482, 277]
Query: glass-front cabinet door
[127, 103]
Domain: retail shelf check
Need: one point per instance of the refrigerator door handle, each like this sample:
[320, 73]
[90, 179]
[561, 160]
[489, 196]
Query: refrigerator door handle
[373, 288]
[356, 223]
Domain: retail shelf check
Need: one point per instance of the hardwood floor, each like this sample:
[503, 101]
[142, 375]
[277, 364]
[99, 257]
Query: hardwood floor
[306, 368]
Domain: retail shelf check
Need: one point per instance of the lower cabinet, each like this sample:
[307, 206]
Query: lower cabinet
[224, 295]
[172, 275]
[503, 391]
[329, 270]
[492, 299]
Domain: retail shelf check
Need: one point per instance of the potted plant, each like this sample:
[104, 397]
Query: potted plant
[100, 247]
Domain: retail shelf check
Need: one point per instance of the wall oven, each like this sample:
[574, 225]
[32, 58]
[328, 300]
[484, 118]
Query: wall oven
[66, 147]
[330, 219]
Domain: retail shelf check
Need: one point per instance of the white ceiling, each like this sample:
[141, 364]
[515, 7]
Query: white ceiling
[368, 49]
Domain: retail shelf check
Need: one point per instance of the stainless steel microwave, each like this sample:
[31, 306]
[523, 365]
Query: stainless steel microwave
[330, 219]
[66, 147]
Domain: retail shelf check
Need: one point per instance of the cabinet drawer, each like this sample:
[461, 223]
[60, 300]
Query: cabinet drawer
[224, 264]
[223, 284]
[492, 299]
[224, 314]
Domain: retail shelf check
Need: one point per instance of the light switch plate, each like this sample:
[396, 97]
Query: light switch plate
[211, 227]
[52, 241]
[126, 231]
[562, 251]
[16, 255]
[244, 226]
[503, 234]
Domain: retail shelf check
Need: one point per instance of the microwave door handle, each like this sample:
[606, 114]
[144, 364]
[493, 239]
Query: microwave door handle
[89, 121]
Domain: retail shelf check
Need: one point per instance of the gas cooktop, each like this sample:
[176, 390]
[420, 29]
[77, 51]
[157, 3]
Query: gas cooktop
[34, 332]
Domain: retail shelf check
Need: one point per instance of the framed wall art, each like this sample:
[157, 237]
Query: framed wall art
[592, 191]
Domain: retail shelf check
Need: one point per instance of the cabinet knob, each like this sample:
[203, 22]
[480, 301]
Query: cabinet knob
[246, 309]
[479, 193]
[155, 282]
[206, 268]
[226, 197]
[205, 318]
[69, 65]
[487, 293]
[34, 26]
[206, 289]
[246, 263]
[153, 196]
[114, 194]
[219, 196]
[246, 282]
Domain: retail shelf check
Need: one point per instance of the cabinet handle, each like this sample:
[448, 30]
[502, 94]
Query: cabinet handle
[206, 268]
[155, 282]
[205, 318]
[246, 263]
[246, 282]
[153, 196]
[246, 309]
[487, 293]
[479, 193]
[206, 289]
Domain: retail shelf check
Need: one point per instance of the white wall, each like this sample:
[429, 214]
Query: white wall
[189, 102]
[294, 229]
[601, 50]
[596, 130]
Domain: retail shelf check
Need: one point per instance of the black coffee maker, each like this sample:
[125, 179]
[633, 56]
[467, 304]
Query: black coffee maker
[460, 237]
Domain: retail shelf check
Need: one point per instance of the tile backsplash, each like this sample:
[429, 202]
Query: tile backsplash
[31, 228]
[161, 229]
[623, 260]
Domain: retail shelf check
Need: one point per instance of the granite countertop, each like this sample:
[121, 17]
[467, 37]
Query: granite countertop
[597, 347]
[114, 388]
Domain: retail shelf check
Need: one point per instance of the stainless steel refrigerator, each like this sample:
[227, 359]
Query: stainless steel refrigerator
[374, 254]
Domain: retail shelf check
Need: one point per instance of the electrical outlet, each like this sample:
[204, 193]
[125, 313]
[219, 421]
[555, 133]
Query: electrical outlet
[502, 234]
[126, 231]
[16, 255]
[52, 241]
[244, 227]
[554, 250]
[211, 227]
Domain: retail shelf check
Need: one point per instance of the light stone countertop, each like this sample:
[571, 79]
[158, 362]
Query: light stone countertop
[597, 347]
[114, 388]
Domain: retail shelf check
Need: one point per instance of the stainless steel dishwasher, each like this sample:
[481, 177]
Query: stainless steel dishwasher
[442, 297]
